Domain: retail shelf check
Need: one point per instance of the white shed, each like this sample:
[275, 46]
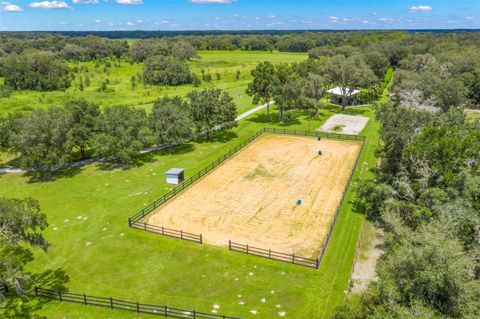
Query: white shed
[175, 175]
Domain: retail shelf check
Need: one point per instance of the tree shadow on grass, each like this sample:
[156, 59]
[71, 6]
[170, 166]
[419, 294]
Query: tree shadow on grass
[355, 111]
[351, 110]
[136, 161]
[51, 279]
[26, 306]
[292, 118]
[220, 137]
[50, 176]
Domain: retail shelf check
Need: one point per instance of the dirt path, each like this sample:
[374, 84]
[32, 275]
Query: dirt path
[251, 198]
[364, 268]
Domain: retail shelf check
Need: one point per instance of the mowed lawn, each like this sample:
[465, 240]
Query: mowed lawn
[120, 91]
[88, 207]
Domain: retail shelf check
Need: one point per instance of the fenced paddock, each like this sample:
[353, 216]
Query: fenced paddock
[251, 197]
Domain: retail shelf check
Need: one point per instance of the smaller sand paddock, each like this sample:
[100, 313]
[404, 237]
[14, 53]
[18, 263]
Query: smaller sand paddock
[251, 198]
[346, 124]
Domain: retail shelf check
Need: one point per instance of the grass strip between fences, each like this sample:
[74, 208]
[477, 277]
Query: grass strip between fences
[108, 302]
[339, 206]
[135, 221]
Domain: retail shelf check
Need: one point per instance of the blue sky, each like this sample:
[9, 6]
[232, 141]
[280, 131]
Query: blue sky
[237, 14]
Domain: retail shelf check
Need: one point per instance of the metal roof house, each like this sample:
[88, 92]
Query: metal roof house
[175, 175]
[337, 94]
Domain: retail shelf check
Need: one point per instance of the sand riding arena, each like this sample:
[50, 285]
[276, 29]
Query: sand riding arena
[254, 196]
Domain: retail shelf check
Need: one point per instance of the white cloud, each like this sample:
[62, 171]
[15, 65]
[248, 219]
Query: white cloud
[470, 18]
[130, 23]
[139, 21]
[385, 19]
[421, 8]
[129, 1]
[272, 16]
[9, 7]
[333, 18]
[98, 21]
[49, 5]
[217, 18]
[85, 1]
[211, 1]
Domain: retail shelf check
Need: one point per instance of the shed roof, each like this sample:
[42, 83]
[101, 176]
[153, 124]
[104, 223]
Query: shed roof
[174, 171]
[338, 91]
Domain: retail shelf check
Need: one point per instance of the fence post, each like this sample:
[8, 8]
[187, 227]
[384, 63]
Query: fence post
[85, 299]
[163, 232]
[194, 316]
[111, 303]
[36, 291]
[318, 262]
[201, 239]
[247, 249]
[166, 311]
[229, 244]
[129, 222]
[269, 254]
[138, 307]
[181, 234]
[293, 258]
[60, 295]
[145, 226]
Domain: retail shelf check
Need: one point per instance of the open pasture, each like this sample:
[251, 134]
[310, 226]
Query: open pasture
[120, 91]
[252, 197]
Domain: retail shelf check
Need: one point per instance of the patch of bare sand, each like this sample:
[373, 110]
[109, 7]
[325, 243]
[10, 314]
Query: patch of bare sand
[364, 268]
[251, 198]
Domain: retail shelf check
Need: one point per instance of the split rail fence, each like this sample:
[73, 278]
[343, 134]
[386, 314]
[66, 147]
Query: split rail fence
[108, 302]
[270, 254]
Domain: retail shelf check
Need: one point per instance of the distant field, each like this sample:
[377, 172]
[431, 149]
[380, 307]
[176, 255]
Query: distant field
[120, 91]
[251, 198]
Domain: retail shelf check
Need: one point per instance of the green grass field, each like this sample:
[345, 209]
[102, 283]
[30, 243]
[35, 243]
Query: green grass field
[103, 257]
[119, 90]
